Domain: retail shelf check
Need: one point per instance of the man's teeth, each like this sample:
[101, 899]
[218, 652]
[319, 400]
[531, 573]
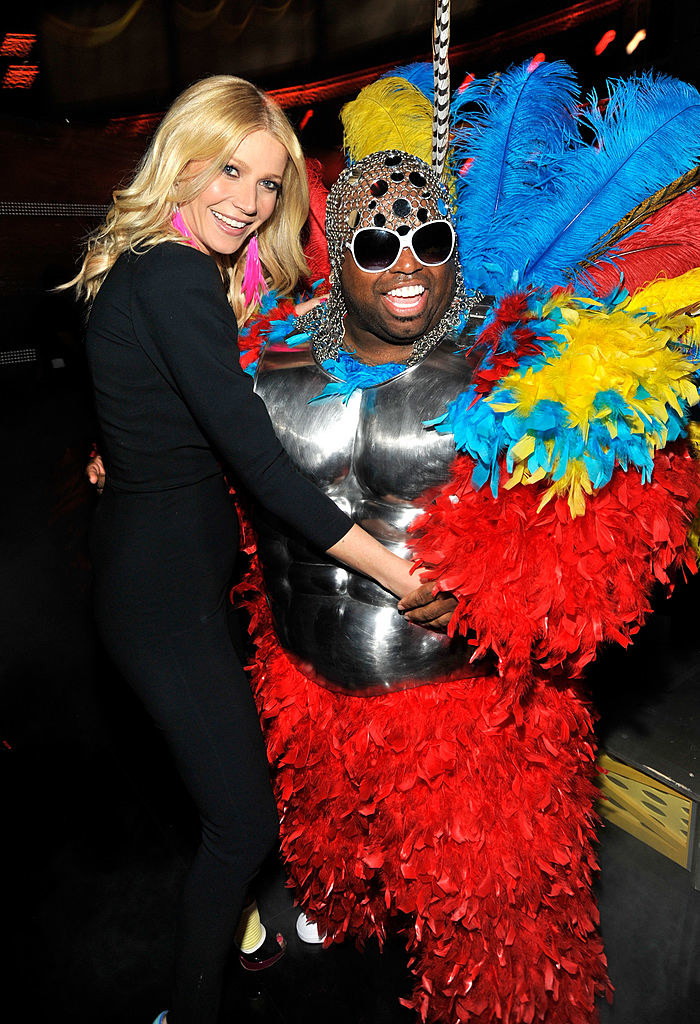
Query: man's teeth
[229, 220]
[408, 291]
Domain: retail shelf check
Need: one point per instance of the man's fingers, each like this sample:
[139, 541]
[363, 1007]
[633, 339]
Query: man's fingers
[429, 612]
[417, 598]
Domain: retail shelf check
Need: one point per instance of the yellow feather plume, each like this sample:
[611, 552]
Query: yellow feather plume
[388, 114]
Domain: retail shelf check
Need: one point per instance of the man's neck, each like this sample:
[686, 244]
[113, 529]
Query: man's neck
[374, 351]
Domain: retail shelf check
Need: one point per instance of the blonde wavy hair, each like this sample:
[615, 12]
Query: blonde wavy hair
[206, 123]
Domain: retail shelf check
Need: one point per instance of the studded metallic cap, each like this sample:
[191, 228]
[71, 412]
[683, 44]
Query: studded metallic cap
[389, 189]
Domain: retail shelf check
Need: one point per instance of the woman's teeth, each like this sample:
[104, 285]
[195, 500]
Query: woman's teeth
[229, 220]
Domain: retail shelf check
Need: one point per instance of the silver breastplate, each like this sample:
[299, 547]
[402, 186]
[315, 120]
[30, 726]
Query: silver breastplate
[375, 458]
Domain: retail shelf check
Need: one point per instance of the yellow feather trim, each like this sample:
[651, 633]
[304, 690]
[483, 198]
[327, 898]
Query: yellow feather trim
[631, 352]
[667, 297]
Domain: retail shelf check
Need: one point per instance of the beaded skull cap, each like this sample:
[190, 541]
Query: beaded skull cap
[389, 189]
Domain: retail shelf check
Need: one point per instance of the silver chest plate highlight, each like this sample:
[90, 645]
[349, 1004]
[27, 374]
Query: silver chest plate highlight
[375, 458]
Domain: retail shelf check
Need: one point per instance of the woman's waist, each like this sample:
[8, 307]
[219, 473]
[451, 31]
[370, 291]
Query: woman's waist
[193, 525]
[154, 485]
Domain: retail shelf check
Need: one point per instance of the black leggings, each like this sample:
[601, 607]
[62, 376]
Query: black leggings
[163, 565]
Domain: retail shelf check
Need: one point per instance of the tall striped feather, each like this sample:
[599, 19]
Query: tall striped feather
[648, 135]
[441, 82]
[388, 114]
[507, 133]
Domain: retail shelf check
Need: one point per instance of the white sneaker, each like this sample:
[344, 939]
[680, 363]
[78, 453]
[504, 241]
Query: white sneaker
[307, 931]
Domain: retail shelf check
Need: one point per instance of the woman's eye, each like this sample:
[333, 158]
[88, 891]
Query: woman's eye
[271, 186]
[231, 171]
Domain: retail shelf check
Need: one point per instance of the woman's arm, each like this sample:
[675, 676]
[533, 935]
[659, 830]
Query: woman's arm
[359, 550]
[188, 328]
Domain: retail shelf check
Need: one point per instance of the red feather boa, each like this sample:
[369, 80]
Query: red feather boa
[511, 312]
[469, 825]
[541, 590]
[258, 331]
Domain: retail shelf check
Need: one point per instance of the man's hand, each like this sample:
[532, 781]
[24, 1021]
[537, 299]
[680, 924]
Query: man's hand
[433, 611]
[95, 472]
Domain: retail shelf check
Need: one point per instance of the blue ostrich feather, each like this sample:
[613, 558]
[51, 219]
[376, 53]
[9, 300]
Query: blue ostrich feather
[418, 74]
[507, 130]
[648, 135]
[536, 198]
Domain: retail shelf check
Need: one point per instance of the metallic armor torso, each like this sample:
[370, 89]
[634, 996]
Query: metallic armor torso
[376, 460]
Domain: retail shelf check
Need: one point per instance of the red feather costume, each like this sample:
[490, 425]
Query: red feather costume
[465, 811]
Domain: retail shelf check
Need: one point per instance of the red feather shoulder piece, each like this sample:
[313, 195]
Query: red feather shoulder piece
[542, 590]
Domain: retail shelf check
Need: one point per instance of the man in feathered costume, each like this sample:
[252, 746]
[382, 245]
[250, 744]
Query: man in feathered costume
[534, 459]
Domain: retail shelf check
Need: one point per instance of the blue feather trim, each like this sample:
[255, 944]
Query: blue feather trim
[354, 376]
[418, 74]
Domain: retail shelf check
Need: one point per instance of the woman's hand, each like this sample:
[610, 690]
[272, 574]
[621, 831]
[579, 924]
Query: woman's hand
[304, 307]
[95, 472]
[428, 609]
[364, 552]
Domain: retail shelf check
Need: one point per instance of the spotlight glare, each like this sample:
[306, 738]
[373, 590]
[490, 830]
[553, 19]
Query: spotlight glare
[537, 59]
[604, 41]
[636, 39]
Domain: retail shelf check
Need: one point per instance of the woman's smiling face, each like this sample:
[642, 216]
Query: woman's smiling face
[240, 198]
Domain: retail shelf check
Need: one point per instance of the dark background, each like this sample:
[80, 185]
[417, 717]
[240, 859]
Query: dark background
[96, 832]
[102, 73]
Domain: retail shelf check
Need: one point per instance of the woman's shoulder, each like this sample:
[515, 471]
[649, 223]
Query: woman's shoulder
[171, 269]
[172, 259]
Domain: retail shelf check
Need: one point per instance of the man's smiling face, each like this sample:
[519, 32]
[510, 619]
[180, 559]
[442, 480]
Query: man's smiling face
[390, 192]
[398, 305]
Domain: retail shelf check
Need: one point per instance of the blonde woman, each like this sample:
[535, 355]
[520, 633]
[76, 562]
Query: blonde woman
[214, 210]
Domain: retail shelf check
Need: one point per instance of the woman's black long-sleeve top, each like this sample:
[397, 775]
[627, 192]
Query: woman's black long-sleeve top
[172, 400]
